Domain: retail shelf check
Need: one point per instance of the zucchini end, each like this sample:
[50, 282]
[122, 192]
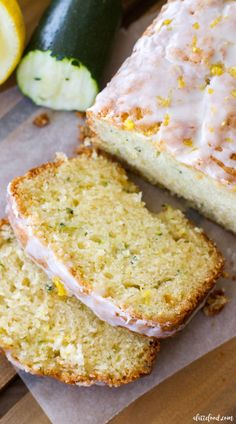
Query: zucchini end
[61, 84]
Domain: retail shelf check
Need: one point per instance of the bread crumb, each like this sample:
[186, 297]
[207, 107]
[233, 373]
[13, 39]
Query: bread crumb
[85, 132]
[81, 115]
[83, 148]
[85, 141]
[215, 303]
[41, 120]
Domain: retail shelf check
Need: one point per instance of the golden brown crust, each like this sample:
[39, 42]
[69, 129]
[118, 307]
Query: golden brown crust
[94, 378]
[193, 303]
[73, 378]
[166, 324]
[3, 221]
[34, 172]
[30, 174]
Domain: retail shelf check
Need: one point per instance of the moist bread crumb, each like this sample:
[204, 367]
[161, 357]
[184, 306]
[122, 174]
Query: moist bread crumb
[47, 333]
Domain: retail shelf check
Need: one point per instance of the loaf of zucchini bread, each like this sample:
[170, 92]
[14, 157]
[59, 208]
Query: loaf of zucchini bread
[170, 111]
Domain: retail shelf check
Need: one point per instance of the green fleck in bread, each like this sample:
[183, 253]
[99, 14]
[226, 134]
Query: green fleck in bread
[84, 222]
[49, 334]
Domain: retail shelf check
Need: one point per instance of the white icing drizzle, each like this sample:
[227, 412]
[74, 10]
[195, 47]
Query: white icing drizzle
[182, 74]
[102, 307]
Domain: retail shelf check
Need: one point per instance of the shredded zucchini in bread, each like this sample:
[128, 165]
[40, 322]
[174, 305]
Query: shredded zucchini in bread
[48, 333]
[85, 222]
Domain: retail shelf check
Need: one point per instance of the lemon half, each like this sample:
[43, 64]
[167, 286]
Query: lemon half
[12, 37]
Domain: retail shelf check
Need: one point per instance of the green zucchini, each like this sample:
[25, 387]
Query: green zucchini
[63, 65]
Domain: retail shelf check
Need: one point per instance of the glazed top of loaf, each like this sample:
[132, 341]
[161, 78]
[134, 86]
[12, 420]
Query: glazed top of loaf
[179, 86]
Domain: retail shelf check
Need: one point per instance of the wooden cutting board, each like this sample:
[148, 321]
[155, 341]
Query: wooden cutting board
[206, 386]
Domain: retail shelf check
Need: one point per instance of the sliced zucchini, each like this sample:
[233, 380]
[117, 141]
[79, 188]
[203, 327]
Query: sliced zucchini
[59, 85]
[64, 62]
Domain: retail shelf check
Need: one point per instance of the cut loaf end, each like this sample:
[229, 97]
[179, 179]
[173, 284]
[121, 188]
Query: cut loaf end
[169, 111]
[210, 197]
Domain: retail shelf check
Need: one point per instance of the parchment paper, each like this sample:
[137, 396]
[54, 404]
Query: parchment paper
[23, 146]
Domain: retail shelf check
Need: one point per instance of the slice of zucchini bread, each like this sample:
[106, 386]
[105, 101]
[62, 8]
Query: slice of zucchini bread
[47, 333]
[170, 110]
[84, 222]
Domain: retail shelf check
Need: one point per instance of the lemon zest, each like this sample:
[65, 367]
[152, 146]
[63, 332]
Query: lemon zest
[216, 21]
[164, 102]
[167, 22]
[232, 71]
[129, 124]
[166, 120]
[181, 82]
[188, 142]
[217, 69]
[61, 291]
[211, 90]
[196, 25]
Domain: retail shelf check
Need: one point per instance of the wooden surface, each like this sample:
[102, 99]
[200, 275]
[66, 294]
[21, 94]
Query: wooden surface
[25, 411]
[206, 386]
[7, 373]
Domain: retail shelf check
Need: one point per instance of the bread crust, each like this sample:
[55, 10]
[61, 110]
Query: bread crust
[168, 327]
[73, 378]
